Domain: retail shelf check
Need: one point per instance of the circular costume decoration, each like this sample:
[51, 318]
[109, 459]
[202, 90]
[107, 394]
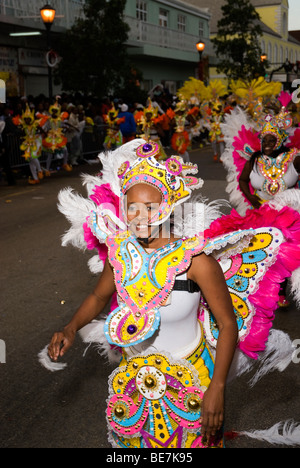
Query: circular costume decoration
[155, 403]
[123, 169]
[173, 166]
[148, 150]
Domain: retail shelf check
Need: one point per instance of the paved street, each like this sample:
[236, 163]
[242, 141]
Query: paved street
[42, 284]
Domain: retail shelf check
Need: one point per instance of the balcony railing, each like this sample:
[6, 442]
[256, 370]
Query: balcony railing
[146, 33]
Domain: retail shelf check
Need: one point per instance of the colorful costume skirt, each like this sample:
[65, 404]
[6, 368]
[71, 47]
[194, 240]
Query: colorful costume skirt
[155, 401]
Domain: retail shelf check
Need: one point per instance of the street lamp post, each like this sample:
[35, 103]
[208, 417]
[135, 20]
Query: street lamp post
[200, 47]
[48, 16]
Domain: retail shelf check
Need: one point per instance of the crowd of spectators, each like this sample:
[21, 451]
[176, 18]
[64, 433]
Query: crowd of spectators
[87, 109]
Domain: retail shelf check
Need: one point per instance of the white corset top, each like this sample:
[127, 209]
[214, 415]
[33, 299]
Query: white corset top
[179, 331]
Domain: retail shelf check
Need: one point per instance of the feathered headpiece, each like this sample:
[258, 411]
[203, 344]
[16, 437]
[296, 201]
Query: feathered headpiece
[28, 114]
[169, 177]
[55, 107]
[151, 110]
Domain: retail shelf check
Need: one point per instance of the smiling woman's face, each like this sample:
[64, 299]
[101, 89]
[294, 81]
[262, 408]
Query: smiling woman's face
[268, 144]
[142, 203]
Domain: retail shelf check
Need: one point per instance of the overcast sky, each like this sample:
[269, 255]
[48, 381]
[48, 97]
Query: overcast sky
[294, 15]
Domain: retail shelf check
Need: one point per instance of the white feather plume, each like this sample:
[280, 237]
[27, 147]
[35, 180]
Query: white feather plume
[290, 198]
[76, 209]
[46, 362]
[282, 433]
[196, 216]
[93, 333]
[277, 356]
[230, 128]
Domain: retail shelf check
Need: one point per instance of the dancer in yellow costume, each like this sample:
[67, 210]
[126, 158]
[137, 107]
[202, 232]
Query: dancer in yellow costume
[31, 146]
[113, 137]
[55, 142]
[157, 396]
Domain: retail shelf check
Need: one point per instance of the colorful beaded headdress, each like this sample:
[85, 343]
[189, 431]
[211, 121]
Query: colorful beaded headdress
[55, 107]
[151, 110]
[169, 177]
[277, 126]
[28, 114]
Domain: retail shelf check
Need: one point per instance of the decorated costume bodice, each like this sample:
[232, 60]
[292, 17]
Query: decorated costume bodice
[271, 176]
[55, 139]
[144, 282]
[179, 333]
[32, 142]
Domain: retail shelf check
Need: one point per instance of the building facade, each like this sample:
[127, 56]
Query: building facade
[162, 41]
[277, 43]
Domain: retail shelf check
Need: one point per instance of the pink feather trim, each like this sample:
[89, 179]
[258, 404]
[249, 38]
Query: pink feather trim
[265, 299]
[102, 195]
[294, 140]
[247, 142]
[284, 98]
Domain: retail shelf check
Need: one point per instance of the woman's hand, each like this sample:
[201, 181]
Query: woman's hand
[60, 343]
[212, 413]
[255, 201]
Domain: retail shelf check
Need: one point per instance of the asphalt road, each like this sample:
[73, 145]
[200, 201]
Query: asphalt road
[42, 284]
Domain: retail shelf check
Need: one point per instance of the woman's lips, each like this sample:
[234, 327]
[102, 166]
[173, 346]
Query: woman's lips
[141, 227]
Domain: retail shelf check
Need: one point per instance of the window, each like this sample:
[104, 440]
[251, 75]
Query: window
[163, 18]
[275, 53]
[181, 22]
[270, 55]
[201, 29]
[141, 10]
[281, 55]
[284, 24]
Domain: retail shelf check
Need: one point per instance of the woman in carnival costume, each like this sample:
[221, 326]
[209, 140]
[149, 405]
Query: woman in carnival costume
[180, 139]
[168, 391]
[32, 142]
[55, 142]
[263, 166]
[216, 136]
[114, 137]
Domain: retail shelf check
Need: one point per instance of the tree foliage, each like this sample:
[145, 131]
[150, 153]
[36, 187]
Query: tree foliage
[93, 51]
[237, 42]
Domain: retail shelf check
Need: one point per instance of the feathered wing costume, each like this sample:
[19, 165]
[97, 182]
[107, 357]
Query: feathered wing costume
[255, 257]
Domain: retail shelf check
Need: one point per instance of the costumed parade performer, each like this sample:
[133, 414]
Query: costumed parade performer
[55, 142]
[263, 166]
[114, 137]
[149, 125]
[216, 136]
[31, 146]
[190, 311]
[180, 140]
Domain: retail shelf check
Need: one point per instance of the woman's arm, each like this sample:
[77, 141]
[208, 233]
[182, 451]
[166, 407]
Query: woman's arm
[207, 273]
[92, 306]
[297, 163]
[244, 186]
